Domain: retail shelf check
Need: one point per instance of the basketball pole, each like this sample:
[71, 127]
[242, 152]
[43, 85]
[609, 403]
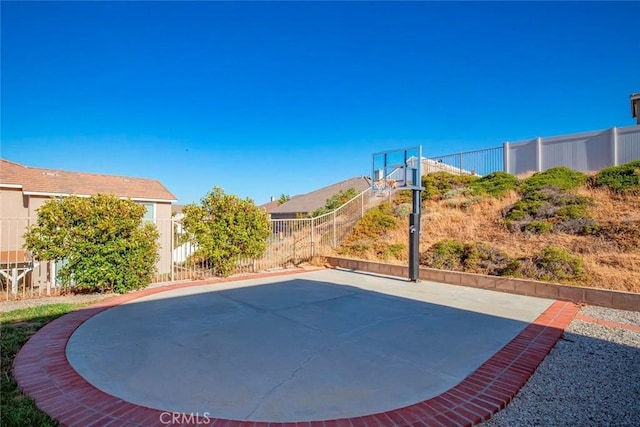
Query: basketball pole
[414, 237]
[388, 166]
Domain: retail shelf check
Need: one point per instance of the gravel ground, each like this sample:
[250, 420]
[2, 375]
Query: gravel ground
[590, 378]
[620, 316]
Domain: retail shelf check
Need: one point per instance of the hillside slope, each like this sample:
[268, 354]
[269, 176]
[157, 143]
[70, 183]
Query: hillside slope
[559, 226]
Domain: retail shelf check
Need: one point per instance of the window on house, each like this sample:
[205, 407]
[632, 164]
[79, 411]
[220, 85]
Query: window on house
[150, 213]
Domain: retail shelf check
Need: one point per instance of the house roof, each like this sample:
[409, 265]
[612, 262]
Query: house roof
[51, 182]
[269, 206]
[316, 199]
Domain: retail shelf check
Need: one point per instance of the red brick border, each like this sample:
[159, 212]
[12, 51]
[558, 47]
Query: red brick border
[609, 323]
[43, 372]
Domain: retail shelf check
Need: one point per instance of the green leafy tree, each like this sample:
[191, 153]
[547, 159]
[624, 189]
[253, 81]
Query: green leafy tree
[335, 201]
[284, 198]
[226, 229]
[102, 239]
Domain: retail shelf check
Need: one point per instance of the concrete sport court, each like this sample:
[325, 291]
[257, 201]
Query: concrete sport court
[319, 345]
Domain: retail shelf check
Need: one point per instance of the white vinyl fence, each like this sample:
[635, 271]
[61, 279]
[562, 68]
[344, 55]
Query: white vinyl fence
[588, 151]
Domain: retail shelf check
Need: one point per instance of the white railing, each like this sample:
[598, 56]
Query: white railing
[292, 242]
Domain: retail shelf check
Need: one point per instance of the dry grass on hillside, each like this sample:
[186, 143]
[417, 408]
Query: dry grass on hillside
[611, 258]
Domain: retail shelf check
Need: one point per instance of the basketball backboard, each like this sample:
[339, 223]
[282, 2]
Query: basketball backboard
[397, 169]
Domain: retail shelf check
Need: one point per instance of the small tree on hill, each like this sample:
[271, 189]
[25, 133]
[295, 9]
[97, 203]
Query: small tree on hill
[284, 198]
[102, 239]
[335, 201]
[226, 228]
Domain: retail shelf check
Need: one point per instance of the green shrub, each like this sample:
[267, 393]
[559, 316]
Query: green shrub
[460, 198]
[403, 210]
[445, 255]
[398, 250]
[577, 209]
[403, 196]
[387, 251]
[284, 198]
[538, 227]
[554, 265]
[496, 184]
[436, 184]
[375, 222]
[335, 201]
[367, 232]
[550, 209]
[462, 203]
[485, 259]
[551, 264]
[226, 229]
[561, 177]
[621, 179]
[579, 226]
[355, 248]
[456, 193]
[451, 254]
[340, 198]
[103, 241]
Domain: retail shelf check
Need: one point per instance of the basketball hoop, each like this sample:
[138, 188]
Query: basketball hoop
[383, 187]
[401, 169]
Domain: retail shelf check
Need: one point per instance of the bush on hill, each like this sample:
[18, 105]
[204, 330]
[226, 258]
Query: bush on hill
[437, 184]
[369, 234]
[597, 229]
[621, 179]
[551, 264]
[451, 254]
[335, 201]
[561, 177]
[550, 209]
[404, 196]
[447, 254]
[496, 184]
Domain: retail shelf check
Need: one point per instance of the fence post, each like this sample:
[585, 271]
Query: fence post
[539, 154]
[460, 170]
[614, 146]
[53, 276]
[48, 283]
[312, 237]
[14, 281]
[505, 157]
[173, 243]
[335, 243]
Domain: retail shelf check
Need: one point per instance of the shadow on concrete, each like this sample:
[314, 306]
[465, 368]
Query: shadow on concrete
[293, 350]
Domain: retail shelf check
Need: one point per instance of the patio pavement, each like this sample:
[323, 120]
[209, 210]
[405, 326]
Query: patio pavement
[320, 345]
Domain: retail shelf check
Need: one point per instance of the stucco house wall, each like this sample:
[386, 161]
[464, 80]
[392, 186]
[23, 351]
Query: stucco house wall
[23, 190]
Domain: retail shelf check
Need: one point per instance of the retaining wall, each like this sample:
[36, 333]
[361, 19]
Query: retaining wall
[576, 294]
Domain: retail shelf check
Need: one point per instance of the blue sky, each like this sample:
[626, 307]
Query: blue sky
[269, 98]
